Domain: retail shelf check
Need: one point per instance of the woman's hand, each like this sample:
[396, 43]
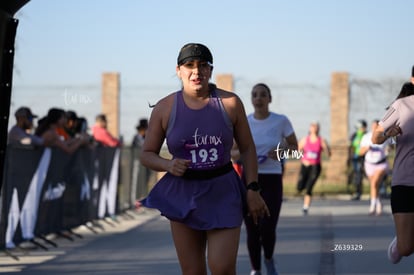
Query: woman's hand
[85, 138]
[177, 167]
[274, 154]
[257, 206]
[393, 131]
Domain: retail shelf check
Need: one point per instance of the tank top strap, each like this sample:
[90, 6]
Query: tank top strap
[318, 141]
[218, 100]
[173, 114]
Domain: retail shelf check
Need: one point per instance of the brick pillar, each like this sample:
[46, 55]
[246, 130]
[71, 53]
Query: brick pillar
[336, 171]
[225, 82]
[110, 101]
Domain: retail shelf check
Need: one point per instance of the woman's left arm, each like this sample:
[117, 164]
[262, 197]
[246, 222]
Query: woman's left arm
[292, 142]
[326, 148]
[380, 135]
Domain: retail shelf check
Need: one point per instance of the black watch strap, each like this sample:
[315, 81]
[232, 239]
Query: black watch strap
[254, 186]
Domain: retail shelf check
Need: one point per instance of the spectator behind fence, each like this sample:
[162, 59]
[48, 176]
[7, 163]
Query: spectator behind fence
[145, 175]
[71, 123]
[82, 128]
[101, 134]
[50, 130]
[139, 137]
[20, 133]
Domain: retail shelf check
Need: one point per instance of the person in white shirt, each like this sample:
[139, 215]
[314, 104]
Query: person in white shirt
[275, 140]
[375, 166]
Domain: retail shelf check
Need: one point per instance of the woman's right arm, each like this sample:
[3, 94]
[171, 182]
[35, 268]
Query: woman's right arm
[154, 139]
[301, 144]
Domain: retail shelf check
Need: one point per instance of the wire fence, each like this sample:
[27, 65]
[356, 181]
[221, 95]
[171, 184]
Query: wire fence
[301, 102]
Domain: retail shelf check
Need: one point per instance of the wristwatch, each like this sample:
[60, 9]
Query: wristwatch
[254, 186]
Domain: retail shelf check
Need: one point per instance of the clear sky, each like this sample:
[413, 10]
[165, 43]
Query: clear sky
[64, 46]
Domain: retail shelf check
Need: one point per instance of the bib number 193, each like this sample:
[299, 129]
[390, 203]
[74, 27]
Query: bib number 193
[204, 155]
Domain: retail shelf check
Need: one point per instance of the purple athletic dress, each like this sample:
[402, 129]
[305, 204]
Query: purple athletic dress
[210, 195]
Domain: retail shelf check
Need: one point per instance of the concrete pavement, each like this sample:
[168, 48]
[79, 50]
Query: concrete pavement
[337, 237]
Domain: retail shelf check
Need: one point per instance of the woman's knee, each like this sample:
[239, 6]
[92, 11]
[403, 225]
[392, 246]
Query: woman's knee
[222, 268]
[222, 263]
[309, 189]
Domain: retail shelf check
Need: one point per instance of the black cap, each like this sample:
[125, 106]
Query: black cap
[24, 112]
[71, 115]
[194, 51]
[361, 124]
[143, 124]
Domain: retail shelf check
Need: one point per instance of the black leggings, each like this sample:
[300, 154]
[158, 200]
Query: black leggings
[264, 233]
[402, 199]
[308, 177]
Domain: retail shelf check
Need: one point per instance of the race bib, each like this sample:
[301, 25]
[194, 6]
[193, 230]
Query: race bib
[374, 155]
[204, 156]
[311, 155]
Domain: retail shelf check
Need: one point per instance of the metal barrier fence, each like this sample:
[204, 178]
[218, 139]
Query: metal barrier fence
[48, 191]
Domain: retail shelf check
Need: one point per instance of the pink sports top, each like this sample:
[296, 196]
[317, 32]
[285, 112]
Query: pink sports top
[312, 151]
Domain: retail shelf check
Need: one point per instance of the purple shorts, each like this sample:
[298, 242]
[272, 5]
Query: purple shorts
[200, 204]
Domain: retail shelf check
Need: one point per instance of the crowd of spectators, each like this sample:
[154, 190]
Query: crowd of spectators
[60, 128]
